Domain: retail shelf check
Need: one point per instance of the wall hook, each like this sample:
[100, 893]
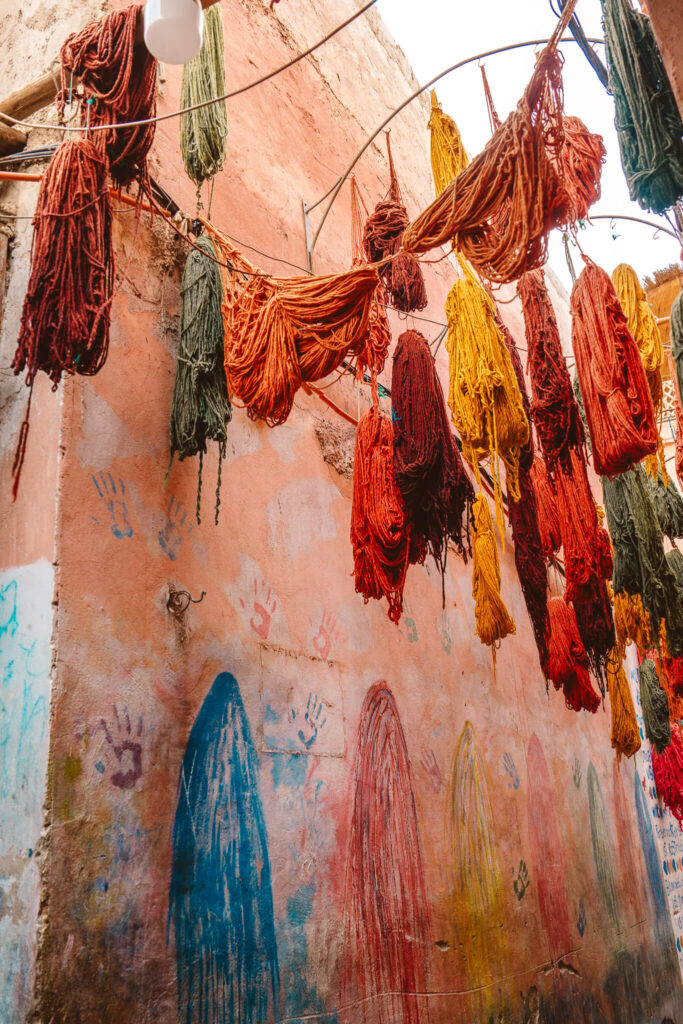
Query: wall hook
[179, 600]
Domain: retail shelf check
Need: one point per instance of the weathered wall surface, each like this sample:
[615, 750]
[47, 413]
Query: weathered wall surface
[219, 824]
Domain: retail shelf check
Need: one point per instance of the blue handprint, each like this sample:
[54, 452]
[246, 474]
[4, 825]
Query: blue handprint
[581, 920]
[312, 721]
[509, 766]
[171, 536]
[115, 500]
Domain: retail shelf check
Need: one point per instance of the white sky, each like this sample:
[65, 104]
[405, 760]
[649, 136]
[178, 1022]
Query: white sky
[437, 33]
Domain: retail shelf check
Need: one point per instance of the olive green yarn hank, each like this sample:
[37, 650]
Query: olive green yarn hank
[647, 119]
[203, 132]
[655, 705]
[668, 505]
[675, 561]
[200, 410]
[676, 325]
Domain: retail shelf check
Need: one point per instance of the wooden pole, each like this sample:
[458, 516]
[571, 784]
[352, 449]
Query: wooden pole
[25, 101]
[11, 140]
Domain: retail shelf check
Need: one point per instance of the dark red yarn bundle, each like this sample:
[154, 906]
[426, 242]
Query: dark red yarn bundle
[382, 238]
[668, 772]
[616, 395]
[429, 469]
[118, 84]
[375, 349]
[65, 318]
[596, 628]
[579, 530]
[380, 531]
[546, 502]
[530, 562]
[567, 658]
[554, 408]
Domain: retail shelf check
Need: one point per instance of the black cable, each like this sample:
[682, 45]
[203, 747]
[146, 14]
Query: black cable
[585, 47]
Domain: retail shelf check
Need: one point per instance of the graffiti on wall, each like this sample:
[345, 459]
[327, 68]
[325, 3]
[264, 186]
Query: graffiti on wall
[387, 923]
[220, 901]
[603, 851]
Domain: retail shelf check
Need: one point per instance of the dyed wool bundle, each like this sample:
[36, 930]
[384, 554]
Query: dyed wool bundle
[485, 401]
[448, 154]
[530, 562]
[668, 772]
[546, 502]
[624, 732]
[643, 327]
[613, 384]
[200, 410]
[648, 121]
[428, 466]
[582, 412]
[282, 332]
[581, 159]
[382, 238]
[668, 505]
[640, 565]
[526, 455]
[581, 542]
[655, 705]
[492, 618]
[632, 623]
[203, 132]
[674, 560]
[118, 84]
[596, 629]
[676, 326]
[554, 409]
[567, 659]
[380, 532]
[679, 445]
[373, 353]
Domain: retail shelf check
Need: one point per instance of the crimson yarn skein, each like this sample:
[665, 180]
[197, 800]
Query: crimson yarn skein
[568, 662]
[530, 562]
[429, 469]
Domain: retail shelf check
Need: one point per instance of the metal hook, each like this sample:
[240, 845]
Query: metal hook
[179, 600]
[656, 235]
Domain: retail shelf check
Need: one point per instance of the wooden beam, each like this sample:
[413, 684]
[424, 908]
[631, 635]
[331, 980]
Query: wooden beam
[25, 101]
[11, 140]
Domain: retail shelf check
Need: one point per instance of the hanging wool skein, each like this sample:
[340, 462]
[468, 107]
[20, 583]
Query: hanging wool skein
[647, 120]
[530, 562]
[200, 410]
[581, 158]
[483, 395]
[448, 154]
[548, 518]
[611, 376]
[118, 82]
[281, 333]
[595, 623]
[492, 618]
[380, 532]
[554, 408]
[382, 238]
[655, 706]
[668, 505]
[643, 328]
[676, 328]
[667, 768]
[436, 491]
[65, 317]
[578, 529]
[624, 732]
[567, 659]
[203, 131]
[375, 349]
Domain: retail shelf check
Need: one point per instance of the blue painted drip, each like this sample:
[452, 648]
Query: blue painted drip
[647, 840]
[221, 901]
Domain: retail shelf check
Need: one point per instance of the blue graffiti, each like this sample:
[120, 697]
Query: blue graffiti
[221, 901]
[647, 840]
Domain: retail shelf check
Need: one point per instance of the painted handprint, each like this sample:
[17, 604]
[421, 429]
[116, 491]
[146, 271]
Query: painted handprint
[114, 498]
[509, 766]
[322, 641]
[125, 741]
[431, 767]
[521, 882]
[175, 528]
[446, 638]
[410, 624]
[581, 919]
[312, 722]
[576, 772]
[264, 605]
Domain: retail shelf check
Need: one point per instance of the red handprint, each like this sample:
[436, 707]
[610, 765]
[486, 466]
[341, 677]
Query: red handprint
[264, 607]
[323, 639]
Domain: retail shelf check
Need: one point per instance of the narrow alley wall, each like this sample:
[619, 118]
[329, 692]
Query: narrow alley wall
[233, 788]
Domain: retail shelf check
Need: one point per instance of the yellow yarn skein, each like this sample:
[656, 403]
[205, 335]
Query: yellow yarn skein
[632, 623]
[447, 151]
[492, 617]
[624, 734]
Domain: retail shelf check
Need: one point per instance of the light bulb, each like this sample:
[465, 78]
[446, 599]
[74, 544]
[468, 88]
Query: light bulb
[173, 29]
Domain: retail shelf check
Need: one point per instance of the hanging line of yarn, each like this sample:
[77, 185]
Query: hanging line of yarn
[546, 502]
[567, 658]
[383, 237]
[647, 119]
[493, 622]
[483, 395]
[655, 705]
[200, 408]
[372, 355]
[65, 317]
[624, 732]
[554, 409]
[615, 391]
[281, 333]
[118, 82]
[203, 132]
[380, 531]
[429, 470]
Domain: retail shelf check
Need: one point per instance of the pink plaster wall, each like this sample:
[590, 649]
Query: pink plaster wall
[496, 773]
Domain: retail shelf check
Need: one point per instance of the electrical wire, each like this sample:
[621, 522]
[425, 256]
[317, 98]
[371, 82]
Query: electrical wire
[205, 103]
[583, 42]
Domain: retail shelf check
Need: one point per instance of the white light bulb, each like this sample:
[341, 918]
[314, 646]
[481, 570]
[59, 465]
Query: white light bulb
[173, 29]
